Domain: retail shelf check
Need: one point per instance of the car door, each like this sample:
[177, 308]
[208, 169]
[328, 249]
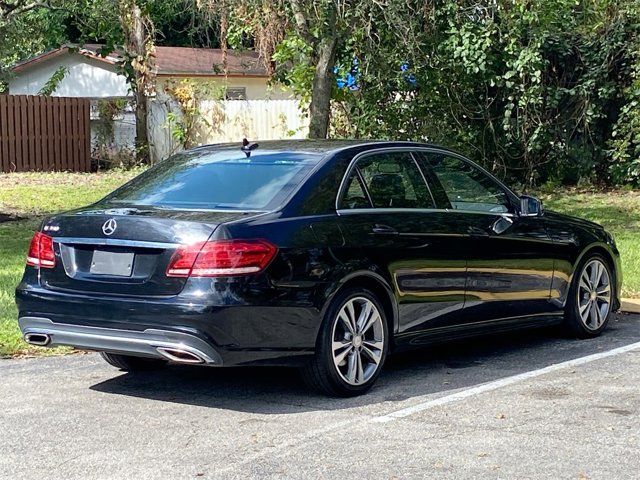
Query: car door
[389, 220]
[509, 256]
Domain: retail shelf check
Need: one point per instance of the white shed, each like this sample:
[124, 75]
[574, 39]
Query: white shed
[90, 75]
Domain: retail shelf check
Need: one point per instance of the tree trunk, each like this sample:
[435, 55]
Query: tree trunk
[324, 45]
[138, 34]
[142, 135]
[320, 107]
[138, 42]
[224, 31]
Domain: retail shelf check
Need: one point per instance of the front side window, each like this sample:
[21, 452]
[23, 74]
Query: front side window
[467, 187]
[391, 180]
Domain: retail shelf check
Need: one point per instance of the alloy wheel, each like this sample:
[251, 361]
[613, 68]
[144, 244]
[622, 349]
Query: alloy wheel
[358, 338]
[594, 294]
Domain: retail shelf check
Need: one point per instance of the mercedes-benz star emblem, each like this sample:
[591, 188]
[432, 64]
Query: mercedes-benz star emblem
[109, 226]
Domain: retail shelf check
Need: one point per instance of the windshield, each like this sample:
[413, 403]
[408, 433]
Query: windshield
[224, 179]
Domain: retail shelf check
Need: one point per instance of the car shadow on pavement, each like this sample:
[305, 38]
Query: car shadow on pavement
[433, 370]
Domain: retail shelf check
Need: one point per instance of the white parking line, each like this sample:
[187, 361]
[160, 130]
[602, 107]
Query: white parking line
[285, 449]
[503, 382]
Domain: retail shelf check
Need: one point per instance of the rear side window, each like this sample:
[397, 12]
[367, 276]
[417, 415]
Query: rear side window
[219, 180]
[355, 196]
[391, 180]
[467, 187]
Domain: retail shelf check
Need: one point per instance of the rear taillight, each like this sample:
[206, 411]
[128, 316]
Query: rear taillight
[220, 258]
[41, 252]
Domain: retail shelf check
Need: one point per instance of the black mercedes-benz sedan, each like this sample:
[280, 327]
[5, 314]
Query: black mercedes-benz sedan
[327, 255]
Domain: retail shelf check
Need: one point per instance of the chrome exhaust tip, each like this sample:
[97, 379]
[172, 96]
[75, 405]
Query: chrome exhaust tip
[39, 339]
[179, 356]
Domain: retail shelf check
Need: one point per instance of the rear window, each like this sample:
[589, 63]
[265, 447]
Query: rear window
[218, 180]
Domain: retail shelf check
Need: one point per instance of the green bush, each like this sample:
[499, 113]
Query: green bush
[535, 91]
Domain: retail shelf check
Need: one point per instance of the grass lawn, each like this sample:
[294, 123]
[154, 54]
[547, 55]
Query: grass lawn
[33, 195]
[619, 213]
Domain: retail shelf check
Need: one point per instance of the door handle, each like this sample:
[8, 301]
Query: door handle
[384, 230]
[477, 232]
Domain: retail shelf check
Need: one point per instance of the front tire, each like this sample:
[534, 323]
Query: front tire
[352, 345]
[590, 298]
[129, 363]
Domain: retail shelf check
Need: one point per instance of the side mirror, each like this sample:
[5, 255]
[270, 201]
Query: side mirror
[530, 206]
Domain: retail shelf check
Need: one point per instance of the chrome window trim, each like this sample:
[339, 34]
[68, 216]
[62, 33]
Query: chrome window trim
[351, 211]
[411, 149]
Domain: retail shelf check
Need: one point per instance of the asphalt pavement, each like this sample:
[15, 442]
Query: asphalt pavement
[533, 404]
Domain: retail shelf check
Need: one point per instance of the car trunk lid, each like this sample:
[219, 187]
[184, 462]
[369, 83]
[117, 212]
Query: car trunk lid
[124, 251]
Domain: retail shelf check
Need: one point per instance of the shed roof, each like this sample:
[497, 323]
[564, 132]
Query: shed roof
[170, 61]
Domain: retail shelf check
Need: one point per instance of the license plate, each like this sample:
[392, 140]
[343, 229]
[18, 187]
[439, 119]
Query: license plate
[111, 263]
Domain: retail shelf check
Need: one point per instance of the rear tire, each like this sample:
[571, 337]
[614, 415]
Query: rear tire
[590, 299]
[132, 364]
[352, 345]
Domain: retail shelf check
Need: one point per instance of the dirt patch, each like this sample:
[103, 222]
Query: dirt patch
[36, 179]
[549, 393]
[9, 217]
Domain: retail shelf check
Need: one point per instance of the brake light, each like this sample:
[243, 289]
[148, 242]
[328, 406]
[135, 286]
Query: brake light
[220, 258]
[41, 252]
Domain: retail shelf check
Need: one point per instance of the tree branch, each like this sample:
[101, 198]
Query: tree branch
[10, 10]
[302, 26]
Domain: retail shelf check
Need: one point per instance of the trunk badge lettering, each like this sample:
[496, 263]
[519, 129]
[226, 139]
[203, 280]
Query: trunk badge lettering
[109, 226]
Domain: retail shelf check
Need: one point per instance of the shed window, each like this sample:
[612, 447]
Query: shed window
[236, 93]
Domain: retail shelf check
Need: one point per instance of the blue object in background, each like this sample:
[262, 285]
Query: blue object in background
[409, 77]
[350, 79]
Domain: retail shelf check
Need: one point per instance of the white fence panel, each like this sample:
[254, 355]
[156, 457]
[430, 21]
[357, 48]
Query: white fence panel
[228, 121]
[233, 120]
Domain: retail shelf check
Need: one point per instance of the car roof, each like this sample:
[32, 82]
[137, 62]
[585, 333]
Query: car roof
[321, 147]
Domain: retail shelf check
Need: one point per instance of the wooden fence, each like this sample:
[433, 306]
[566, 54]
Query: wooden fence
[44, 133]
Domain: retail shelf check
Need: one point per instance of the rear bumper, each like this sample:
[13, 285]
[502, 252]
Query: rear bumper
[151, 343]
[267, 331]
